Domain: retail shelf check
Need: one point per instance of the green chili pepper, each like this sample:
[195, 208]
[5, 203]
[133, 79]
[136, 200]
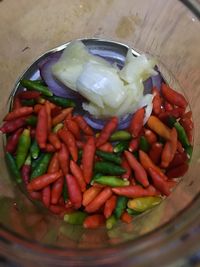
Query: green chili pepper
[110, 222]
[108, 168]
[31, 85]
[97, 175]
[189, 150]
[182, 135]
[80, 154]
[111, 181]
[41, 82]
[77, 217]
[42, 166]
[31, 120]
[133, 212]
[120, 136]
[109, 156]
[171, 121]
[35, 150]
[28, 102]
[57, 127]
[61, 101]
[144, 144]
[142, 204]
[64, 192]
[120, 206]
[23, 147]
[12, 166]
[35, 162]
[121, 146]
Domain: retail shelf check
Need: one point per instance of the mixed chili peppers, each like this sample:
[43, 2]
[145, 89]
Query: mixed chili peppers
[92, 178]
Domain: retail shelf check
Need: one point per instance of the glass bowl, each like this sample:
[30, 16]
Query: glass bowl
[170, 233]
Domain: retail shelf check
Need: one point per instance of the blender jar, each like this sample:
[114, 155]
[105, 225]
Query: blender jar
[169, 234]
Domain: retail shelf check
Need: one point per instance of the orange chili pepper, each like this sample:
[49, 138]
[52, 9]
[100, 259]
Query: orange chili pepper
[60, 117]
[54, 140]
[133, 191]
[106, 132]
[125, 217]
[48, 111]
[42, 128]
[140, 173]
[37, 108]
[90, 194]
[93, 221]
[136, 123]
[110, 206]
[63, 158]
[150, 136]
[160, 128]
[169, 149]
[159, 182]
[46, 196]
[56, 191]
[68, 138]
[77, 173]
[83, 125]
[73, 127]
[88, 159]
[99, 200]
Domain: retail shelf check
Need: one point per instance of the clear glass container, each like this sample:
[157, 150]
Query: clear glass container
[169, 234]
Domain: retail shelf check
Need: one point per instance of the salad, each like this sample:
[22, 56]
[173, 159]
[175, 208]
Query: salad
[91, 144]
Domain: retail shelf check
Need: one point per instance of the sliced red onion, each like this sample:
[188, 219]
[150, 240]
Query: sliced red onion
[54, 85]
[148, 86]
[98, 124]
[157, 80]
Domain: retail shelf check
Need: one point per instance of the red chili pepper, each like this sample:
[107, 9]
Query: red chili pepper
[29, 94]
[55, 111]
[155, 152]
[83, 125]
[26, 170]
[173, 97]
[127, 167]
[63, 157]
[150, 136]
[54, 164]
[42, 128]
[80, 144]
[60, 117]
[18, 113]
[56, 190]
[168, 106]
[73, 127]
[88, 159]
[37, 108]
[16, 103]
[134, 144]
[127, 218]
[140, 173]
[136, 123]
[46, 196]
[159, 183]
[44, 180]
[106, 132]
[77, 173]
[187, 115]
[35, 195]
[11, 126]
[74, 191]
[90, 194]
[180, 148]
[12, 141]
[54, 140]
[50, 148]
[178, 159]
[99, 200]
[32, 133]
[57, 209]
[169, 149]
[157, 101]
[93, 221]
[178, 171]
[133, 191]
[68, 138]
[110, 206]
[48, 111]
[147, 162]
[107, 147]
